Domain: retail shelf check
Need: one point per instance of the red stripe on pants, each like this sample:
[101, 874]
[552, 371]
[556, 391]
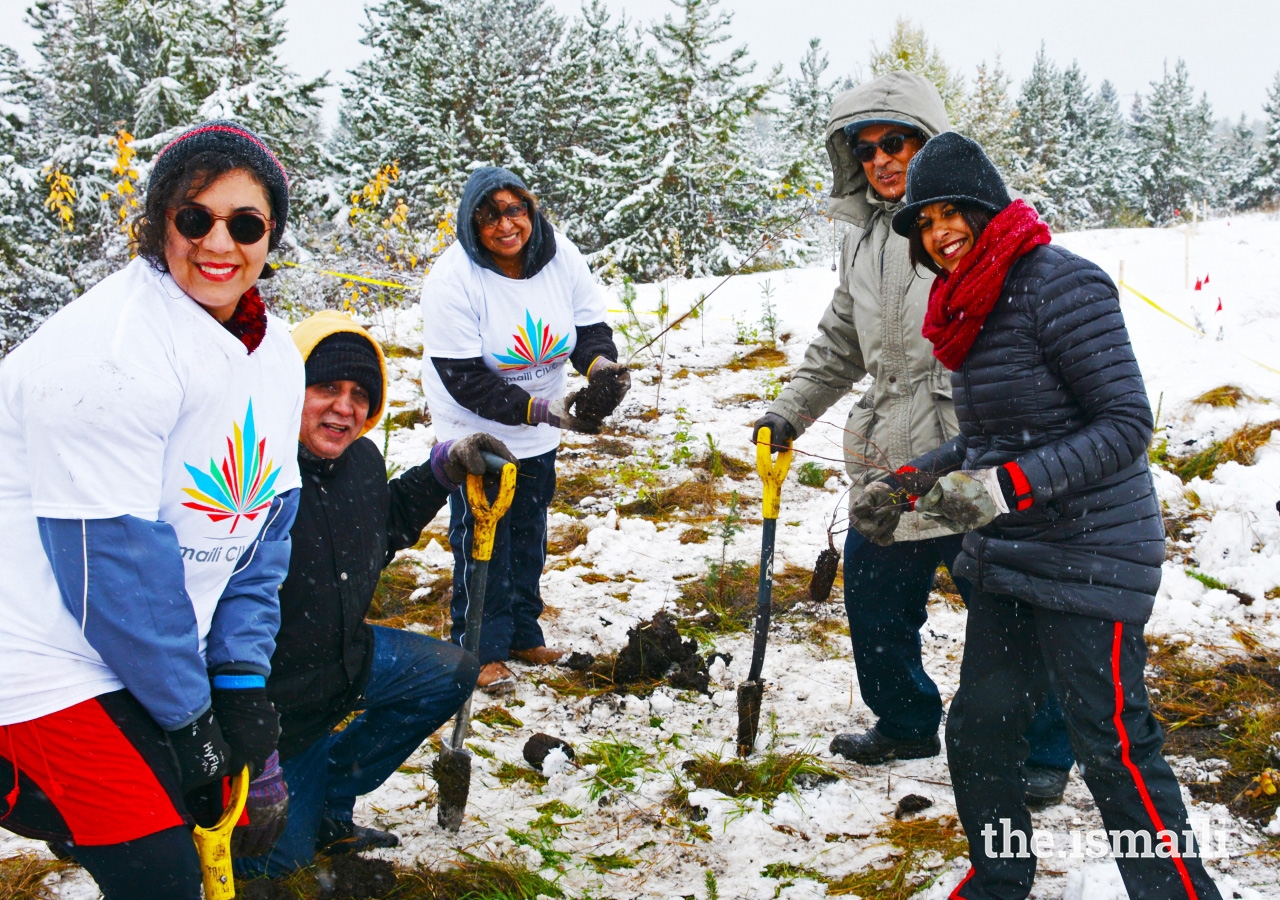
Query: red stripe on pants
[92, 774]
[1133, 770]
[955, 894]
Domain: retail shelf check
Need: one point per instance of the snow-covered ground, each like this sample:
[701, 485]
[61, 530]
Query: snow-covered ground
[832, 829]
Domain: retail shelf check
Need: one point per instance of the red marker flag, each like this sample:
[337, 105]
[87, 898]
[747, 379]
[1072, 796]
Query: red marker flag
[1206, 277]
[1197, 284]
[1219, 309]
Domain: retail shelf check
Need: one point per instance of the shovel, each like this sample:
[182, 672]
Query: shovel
[751, 691]
[214, 844]
[452, 769]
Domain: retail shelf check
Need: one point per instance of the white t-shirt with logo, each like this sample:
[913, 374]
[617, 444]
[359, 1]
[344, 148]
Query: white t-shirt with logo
[523, 328]
[132, 400]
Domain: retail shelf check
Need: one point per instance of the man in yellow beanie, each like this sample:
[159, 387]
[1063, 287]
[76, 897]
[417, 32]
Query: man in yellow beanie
[328, 661]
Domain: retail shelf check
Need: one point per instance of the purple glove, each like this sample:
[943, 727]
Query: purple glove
[267, 808]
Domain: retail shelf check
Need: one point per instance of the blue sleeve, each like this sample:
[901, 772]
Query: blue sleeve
[123, 580]
[243, 634]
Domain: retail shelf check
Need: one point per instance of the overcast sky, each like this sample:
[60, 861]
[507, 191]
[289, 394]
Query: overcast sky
[1232, 47]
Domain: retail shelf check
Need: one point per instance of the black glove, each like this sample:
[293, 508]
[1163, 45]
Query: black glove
[250, 725]
[876, 511]
[781, 432]
[464, 456]
[268, 809]
[607, 383]
[201, 752]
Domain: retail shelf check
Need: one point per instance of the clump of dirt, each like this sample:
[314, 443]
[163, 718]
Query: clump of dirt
[655, 654]
[352, 877]
[911, 804]
[655, 651]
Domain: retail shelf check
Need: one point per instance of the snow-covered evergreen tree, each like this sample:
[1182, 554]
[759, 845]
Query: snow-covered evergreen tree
[909, 50]
[804, 118]
[709, 203]
[1239, 162]
[1174, 137]
[1112, 162]
[1041, 114]
[1268, 178]
[989, 116]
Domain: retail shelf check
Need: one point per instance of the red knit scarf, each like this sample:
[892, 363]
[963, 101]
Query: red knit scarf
[249, 321]
[959, 303]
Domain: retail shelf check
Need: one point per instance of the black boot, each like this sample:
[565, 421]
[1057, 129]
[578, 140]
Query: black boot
[338, 837]
[1044, 786]
[871, 747]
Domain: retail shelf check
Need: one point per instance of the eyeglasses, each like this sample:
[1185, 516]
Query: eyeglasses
[487, 217]
[194, 222]
[892, 144]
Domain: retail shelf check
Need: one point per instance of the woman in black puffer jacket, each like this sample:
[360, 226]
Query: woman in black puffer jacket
[1064, 542]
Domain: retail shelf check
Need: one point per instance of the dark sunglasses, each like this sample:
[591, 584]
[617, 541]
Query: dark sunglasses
[487, 217]
[865, 151]
[194, 222]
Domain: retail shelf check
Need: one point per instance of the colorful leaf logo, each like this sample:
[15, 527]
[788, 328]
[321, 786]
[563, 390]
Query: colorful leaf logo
[535, 345]
[243, 486]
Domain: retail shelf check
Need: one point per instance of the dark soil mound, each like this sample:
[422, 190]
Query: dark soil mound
[655, 650]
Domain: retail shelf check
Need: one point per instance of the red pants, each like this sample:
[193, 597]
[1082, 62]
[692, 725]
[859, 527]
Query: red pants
[93, 774]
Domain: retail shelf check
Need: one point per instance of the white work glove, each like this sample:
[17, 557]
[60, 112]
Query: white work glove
[964, 501]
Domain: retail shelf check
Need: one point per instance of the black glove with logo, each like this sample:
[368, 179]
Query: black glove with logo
[200, 751]
[249, 723]
[781, 432]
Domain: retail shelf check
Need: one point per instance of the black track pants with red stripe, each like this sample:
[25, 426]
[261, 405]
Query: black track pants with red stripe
[1015, 652]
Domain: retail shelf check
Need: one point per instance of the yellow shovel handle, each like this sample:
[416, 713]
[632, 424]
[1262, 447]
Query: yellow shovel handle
[771, 472]
[214, 844]
[487, 516]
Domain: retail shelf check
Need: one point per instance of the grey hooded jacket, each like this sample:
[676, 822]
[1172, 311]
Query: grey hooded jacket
[873, 325]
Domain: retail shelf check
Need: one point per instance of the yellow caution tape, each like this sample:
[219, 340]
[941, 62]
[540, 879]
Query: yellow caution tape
[349, 277]
[1156, 306]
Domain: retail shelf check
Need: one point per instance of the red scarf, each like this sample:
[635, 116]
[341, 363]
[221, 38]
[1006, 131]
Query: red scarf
[249, 321]
[960, 302]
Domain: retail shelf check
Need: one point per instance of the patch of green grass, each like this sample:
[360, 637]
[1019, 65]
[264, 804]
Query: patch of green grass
[608, 862]
[618, 765]
[1207, 580]
[810, 474]
[902, 878]
[764, 778]
[559, 808]
[510, 773]
[22, 876]
[408, 418]
[497, 717]
[790, 873]
[728, 594]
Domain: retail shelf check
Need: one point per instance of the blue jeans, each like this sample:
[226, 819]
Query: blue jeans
[886, 592]
[415, 684]
[513, 599]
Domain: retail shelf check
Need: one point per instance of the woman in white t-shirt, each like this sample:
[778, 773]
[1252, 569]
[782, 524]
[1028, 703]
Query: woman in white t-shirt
[504, 309]
[150, 432]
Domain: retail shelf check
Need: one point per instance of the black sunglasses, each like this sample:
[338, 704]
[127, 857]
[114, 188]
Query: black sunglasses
[194, 222]
[487, 217]
[865, 151]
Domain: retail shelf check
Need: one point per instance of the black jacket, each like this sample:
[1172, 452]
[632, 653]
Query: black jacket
[350, 523]
[1052, 383]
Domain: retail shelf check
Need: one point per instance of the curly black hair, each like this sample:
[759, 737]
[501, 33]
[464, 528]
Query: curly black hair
[177, 188]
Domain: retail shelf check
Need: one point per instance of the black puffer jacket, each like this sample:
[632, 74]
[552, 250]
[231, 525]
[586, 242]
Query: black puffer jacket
[350, 523]
[1052, 383]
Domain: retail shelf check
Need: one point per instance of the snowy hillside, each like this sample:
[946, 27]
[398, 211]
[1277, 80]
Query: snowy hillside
[635, 823]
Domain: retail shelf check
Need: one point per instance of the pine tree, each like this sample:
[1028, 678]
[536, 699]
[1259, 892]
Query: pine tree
[989, 116]
[909, 50]
[1238, 162]
[30, 286]
[804, 120]
[1041, 114]
[1174, 134]
[708, 203]
[1268, 174]
[1112, 161]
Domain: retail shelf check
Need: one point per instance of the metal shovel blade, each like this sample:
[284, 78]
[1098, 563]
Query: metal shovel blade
[452, 772]
[750, 696]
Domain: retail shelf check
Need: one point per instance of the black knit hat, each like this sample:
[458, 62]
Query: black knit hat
[950, 168]
[347, 356]
[232, 138]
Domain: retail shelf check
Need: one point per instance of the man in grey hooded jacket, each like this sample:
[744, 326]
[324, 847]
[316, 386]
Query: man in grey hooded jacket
[873, 327]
